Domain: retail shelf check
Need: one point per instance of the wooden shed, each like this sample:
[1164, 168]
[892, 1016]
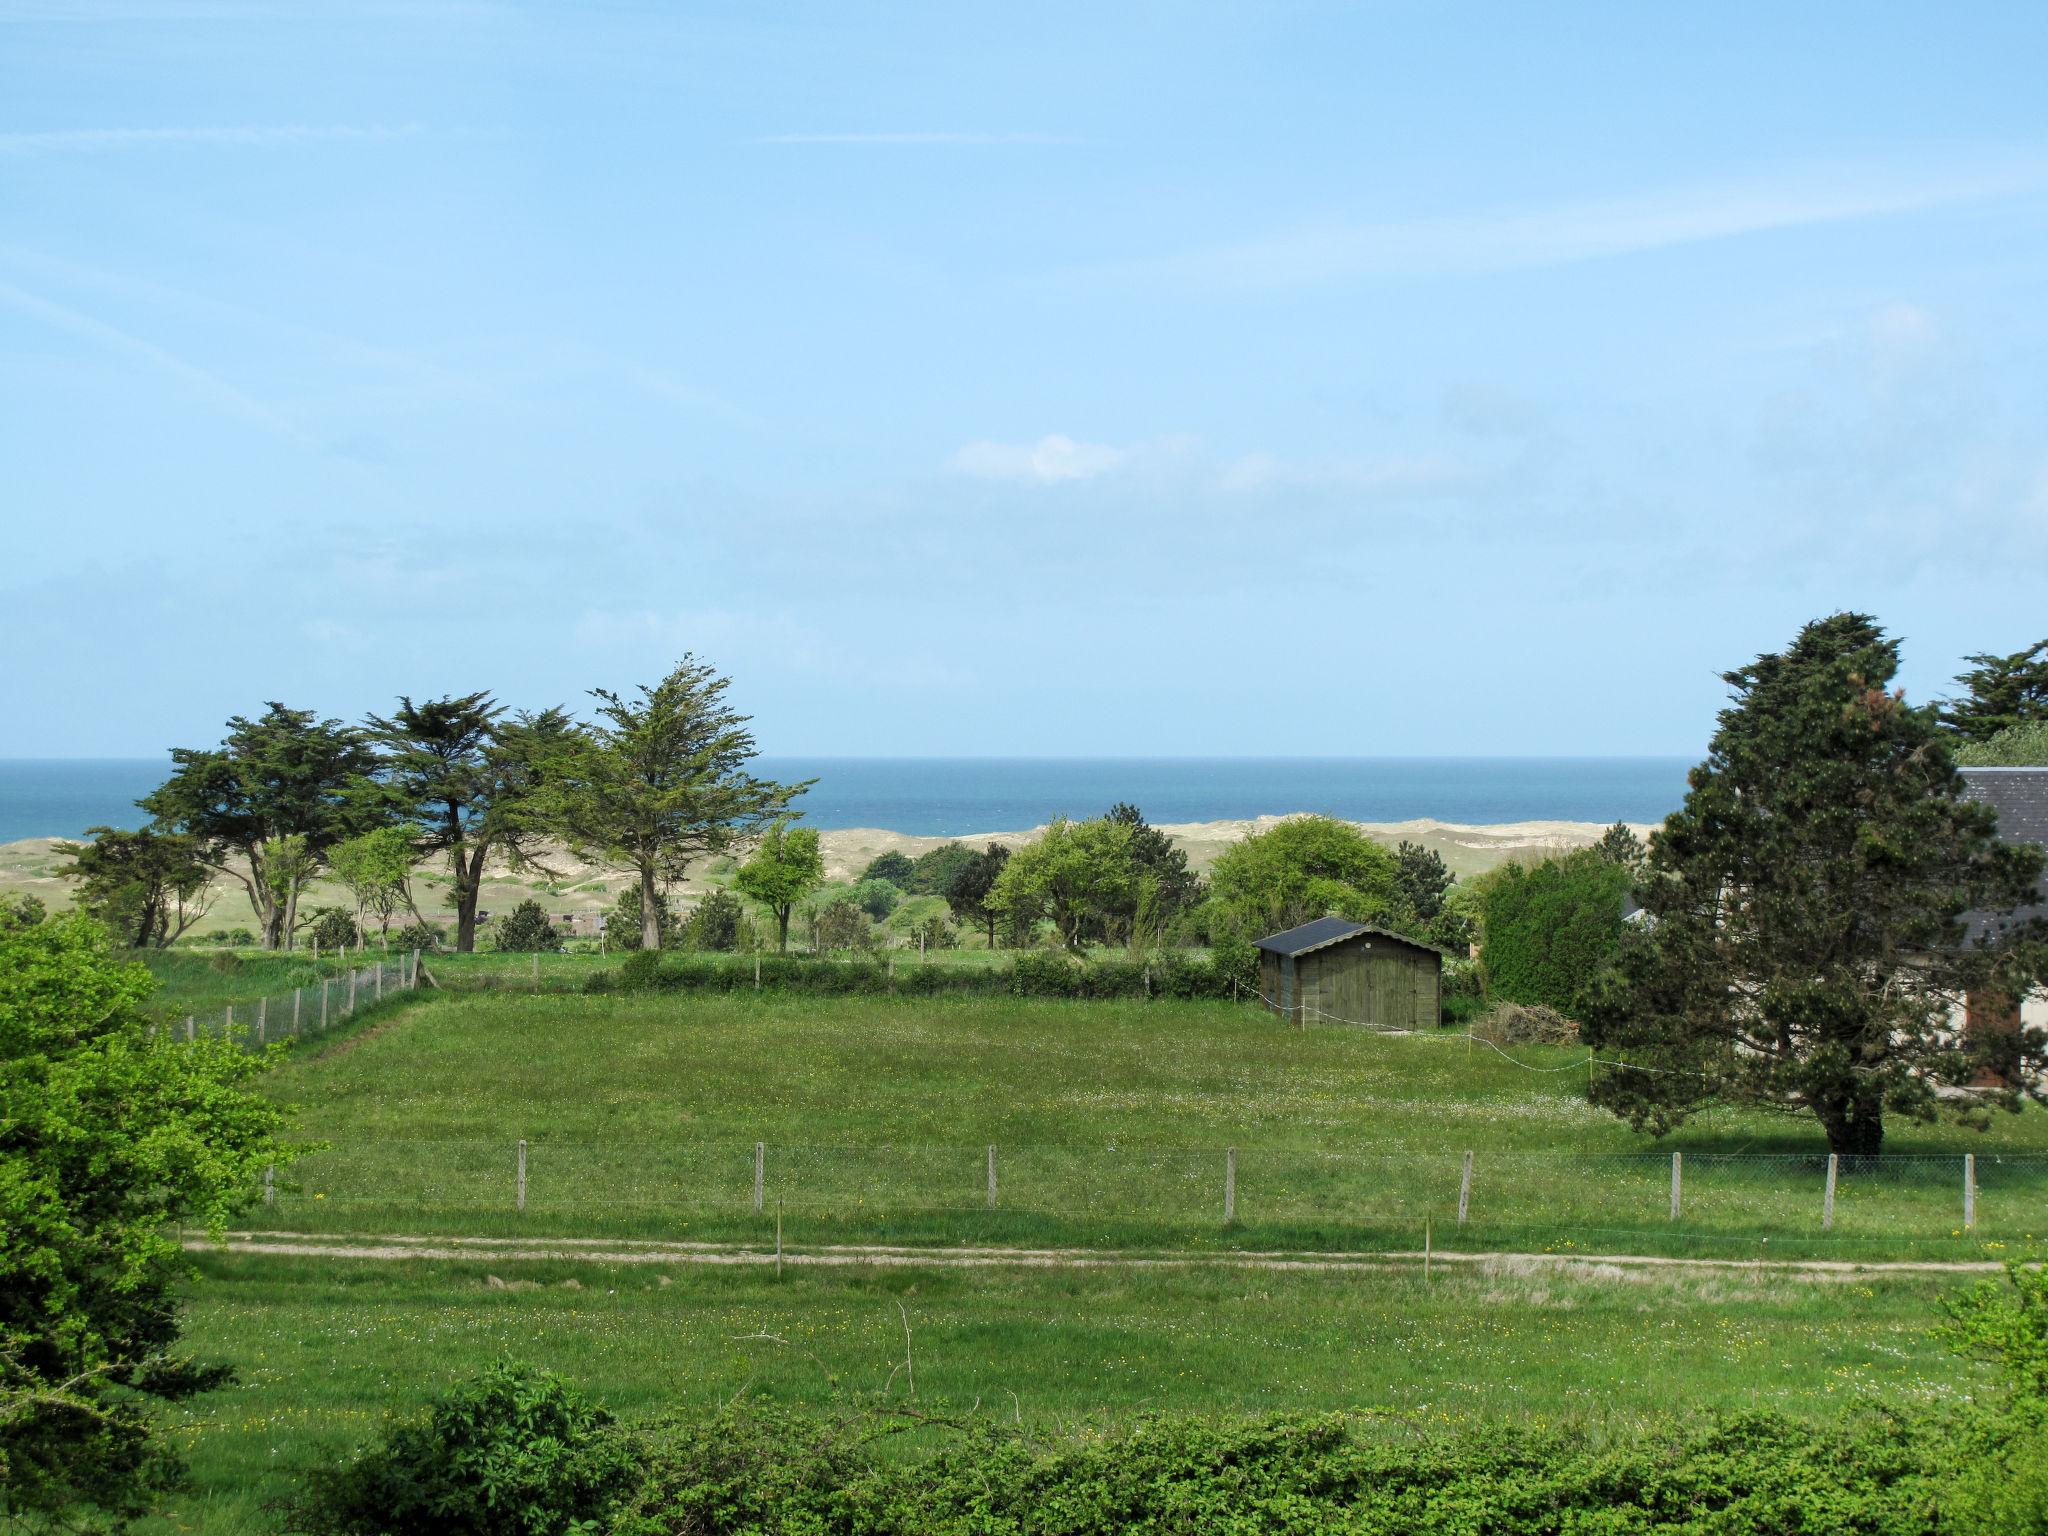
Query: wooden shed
[1332, 971]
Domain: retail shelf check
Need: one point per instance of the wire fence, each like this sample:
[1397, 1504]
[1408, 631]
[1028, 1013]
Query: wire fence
[1165, 1194]
[302, 1012]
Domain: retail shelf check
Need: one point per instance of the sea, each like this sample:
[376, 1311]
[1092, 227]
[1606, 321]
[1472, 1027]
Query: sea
[957, 796]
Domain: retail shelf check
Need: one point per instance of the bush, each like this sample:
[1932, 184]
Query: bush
[843, 924]
[896, 868]
[640, 970]
[714, 924]
[1550, 928]
[334, 929]
[1037, 973]
[425, 937]
[1236, 962]
[935, 933]
[934, 871]
[513, 1451]
[1515, 1024]
[239, 938]
[528, 929]
[877, 898]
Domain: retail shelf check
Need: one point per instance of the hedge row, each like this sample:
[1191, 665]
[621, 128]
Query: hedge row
[1031, 974]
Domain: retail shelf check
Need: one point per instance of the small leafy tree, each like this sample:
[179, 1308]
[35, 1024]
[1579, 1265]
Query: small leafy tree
[1999, 692]
[896, 868]
[512, 1451]
[1619, 845]
[877, 898]
[376, 867]
[1304, 868]
[1075, 873]
[841, 924]
[967, 893]
[333, 929]
[148, 887]
[1809, 940]
[109, 1139]
[529, 930]
[783, 869]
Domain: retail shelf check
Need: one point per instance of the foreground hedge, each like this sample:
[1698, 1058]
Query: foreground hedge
[1031, 974]
[757, 1471]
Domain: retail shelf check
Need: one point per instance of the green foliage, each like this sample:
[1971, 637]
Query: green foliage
[463, 777]
[640, 971]
[1236, 959]
[1421, 878]
[760, 1470]
[424, 937]
[2017, 746]
[20, 910]
[1308, 867]
[877, 898]
[933, 871]
[842, 924]
[375, 866]
[1034, 973]
[512, 1451]
[1077, 875]
[623, 928]
[528, 929]
[148, 887]
[658, 781]
[279, 791]
[1552, 927]
[783, 869]
[1620, 845]
[714, 923]
[331, 929]
[111, 1139]
[934, 933]
[967, 892]
[1160, 863]
[896, 868]
[2000, 692]
[1807, 904]
[2004, 1324]
[242, 938]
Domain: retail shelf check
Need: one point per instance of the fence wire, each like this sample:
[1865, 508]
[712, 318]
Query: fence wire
[298, 1013]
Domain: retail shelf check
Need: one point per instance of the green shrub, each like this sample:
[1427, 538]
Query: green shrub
[528, 929]
[640, 970]
[240, 938]
[425, 937]
[843, 924]
[1550, 928]
[714, 923]
[877, 898]
[1235, 959]
[512, 1451]
[334, 929]
[896, 868]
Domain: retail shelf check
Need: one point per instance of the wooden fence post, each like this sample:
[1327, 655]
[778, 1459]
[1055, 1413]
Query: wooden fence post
[1827, 1199]
[270, 1185]
[757, 970]
[226, 1028]
[1969, 1191]
[323, 1004]
[991, 1178]
[351, 992]
[1677, 1182]
[536, 970]
[1229, 1185]
[295, 1011]
[414, 984]
[262, 1020]
[380, 980]
[1465, 1190]
[191, 1028]
[760, 1174]
[522, 1175]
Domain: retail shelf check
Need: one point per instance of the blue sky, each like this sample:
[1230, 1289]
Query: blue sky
[1140, 379]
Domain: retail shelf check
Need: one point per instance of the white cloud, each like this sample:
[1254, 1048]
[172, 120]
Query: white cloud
[1052, 458]
[1583, 231]
[261, 136]
[1392, 475]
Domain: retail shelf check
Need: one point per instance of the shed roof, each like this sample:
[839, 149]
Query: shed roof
[1325, 931]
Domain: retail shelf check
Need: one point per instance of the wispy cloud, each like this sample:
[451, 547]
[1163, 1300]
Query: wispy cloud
[913, 138]
[91, 141]
[1051, 459]
[209, 387]
[1583, 231]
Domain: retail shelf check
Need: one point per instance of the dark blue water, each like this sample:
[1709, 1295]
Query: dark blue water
[952, 796]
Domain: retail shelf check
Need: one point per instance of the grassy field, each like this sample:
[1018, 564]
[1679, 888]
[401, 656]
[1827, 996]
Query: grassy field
[328, 1352]
[1111, 1123]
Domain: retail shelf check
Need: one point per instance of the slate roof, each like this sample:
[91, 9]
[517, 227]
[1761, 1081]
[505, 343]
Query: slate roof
[1325, 931]
[2019, 796]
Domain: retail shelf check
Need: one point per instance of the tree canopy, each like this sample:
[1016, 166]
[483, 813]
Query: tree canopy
[147, 887]
[659, 780]
[1999, 692]
[967, 892]
[1304, 868]
[265, 805]
[1809, 906]
[1075, 872]
[108, 1140]
[1551, 927]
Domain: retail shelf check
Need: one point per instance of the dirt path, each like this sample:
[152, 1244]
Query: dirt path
[850, 1255]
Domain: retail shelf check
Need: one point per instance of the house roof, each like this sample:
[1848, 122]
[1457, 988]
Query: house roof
[1325, 931]
[2019, 797]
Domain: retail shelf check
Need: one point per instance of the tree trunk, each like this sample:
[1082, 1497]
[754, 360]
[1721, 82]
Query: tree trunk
[782, 930]
[1854, 1123]
[469, 882]
[650, 914]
